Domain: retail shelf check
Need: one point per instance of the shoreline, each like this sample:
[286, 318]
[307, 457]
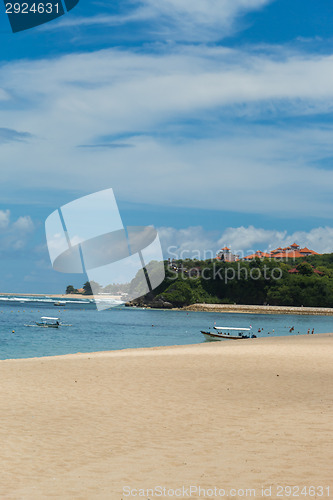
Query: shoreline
[216, 308]
[250, 309]
[168, 349]
[227, 414]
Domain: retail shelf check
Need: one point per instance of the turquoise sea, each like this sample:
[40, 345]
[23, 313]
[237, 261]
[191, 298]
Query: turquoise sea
[121, 327]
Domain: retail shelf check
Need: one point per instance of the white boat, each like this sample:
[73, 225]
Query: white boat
[229, 333]
[48, 322]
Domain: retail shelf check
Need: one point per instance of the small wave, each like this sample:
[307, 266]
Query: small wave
[109, 301]
[77, 301]
[14, 299]
[47, 300]
[24, 299]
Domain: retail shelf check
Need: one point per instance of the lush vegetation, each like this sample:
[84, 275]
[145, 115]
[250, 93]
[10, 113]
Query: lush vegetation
[261, 281]
[256, 282]
[88, 288]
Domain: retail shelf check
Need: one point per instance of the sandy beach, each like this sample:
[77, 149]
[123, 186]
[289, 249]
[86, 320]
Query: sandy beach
[256, 309]
[226, 415]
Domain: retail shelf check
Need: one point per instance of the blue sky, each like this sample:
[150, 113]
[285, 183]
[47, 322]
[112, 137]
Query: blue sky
[211, 119]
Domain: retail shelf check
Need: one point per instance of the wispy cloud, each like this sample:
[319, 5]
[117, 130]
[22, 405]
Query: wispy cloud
[14, 234]
[4, 219]
[8, 135]
[251, 238]
[247, 128]
[4, 96]
[180, 20]
[107, 145]
[190, 242]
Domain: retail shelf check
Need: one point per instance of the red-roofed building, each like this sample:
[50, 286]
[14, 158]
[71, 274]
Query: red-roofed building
[292, 252]
[305, 251]
[295, 270]
[259, 254]
[277, 250]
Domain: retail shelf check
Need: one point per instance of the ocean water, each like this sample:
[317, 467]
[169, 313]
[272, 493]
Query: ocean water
[121, 327]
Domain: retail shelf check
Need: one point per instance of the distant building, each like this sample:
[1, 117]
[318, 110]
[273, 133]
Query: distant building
[226, 255]
[259, 254]
[296, 270]
[292, 252]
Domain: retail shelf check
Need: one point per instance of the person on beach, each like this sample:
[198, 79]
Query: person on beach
[312, 331]
[308, 331]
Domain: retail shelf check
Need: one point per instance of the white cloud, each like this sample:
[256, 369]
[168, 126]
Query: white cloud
[14, 235]
[23, 224]
[319, 239]
[249, 239]
[4, 96]
[191, 242]
[195, 242]
[196, 19]
[126, 89]
[252, 238]
[168, 101]
[4, 218]
[181, 20]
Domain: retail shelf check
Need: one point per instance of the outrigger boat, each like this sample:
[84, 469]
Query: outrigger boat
[47, 322]
[229, 333]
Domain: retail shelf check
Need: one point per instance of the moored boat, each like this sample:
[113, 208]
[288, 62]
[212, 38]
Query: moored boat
[229, 333]
[48, 322]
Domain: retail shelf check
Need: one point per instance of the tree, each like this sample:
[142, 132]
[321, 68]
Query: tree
[87, 288]
[91, 288]
[70, 289]
[179, 293]
[305, 269]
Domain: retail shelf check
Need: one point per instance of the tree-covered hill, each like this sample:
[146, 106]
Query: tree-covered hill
[300, 282]
[307, 282]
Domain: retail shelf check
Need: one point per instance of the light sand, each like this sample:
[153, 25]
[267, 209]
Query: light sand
[226, 414]
[246, 309]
